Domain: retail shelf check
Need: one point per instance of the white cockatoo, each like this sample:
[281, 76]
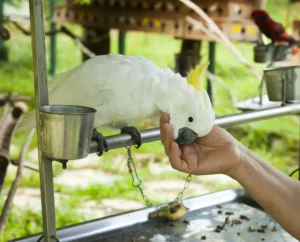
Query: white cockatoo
[125, 89]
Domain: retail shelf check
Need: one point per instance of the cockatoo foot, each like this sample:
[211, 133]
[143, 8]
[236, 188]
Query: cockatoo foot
[101, 141]
[134, 133]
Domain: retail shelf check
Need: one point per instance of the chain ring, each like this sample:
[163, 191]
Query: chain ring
[144, 197]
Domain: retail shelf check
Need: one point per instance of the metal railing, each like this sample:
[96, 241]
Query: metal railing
[150, 135]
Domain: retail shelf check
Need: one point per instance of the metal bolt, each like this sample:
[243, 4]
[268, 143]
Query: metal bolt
[64, 163]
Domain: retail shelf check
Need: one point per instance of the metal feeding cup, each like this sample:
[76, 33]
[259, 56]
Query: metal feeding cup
[283, 83]
[264, 53]
[66, 131]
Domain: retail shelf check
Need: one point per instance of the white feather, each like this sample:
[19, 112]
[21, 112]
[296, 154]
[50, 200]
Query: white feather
[122, 89]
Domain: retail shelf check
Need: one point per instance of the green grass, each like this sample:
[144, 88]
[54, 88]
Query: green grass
[274, 140]
[25, 222]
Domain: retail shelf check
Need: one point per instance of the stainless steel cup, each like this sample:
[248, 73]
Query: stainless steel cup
[264, 53]
[283, 80]
[66, 131]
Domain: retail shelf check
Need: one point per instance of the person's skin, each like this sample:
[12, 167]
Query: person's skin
[220, 153]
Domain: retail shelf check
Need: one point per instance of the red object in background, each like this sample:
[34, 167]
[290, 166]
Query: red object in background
[273, 30]
[270, 28]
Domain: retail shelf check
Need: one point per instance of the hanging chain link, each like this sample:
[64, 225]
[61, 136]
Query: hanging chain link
[137, 182]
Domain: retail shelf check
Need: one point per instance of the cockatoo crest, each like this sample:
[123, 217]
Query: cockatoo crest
[195, 76]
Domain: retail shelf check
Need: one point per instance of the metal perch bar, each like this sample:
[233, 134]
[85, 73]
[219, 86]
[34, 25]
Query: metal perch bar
[150, 135]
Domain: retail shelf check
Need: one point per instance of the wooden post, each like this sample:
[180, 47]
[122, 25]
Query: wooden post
[97, 41]
[261, 4]
[122, 42]
[188, 57]
[3, 48]
[52, 40]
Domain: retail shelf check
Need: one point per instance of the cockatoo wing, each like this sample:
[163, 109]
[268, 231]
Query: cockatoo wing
[116, 86]
[58, 79]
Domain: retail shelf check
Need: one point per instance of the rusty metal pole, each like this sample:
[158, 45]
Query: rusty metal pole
[41, 99]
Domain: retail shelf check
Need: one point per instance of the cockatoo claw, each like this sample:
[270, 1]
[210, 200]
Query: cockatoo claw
[101, 141]
[134, 133]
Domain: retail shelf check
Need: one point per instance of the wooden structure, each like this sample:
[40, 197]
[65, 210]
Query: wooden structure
[161, 16]
[164, 17]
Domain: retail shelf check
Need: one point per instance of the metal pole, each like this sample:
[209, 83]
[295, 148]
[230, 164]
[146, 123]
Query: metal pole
[247, 117]
[150, 135]
[261, 92]
[121, 42]
[41, 98]
[52, 39]
[211, 68]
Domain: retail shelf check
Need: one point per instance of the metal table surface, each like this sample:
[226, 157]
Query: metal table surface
[201, 220]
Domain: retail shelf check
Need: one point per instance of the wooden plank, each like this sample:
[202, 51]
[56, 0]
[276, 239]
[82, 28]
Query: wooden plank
[161, 20]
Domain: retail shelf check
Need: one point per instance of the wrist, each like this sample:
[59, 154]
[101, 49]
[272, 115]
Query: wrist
[243, 157]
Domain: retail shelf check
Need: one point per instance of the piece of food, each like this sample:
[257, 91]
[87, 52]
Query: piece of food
[261, 230]
[172, 212]
[236, 221]
[251, 229]
[227, 220]
[244, 217]
[186, 221]
[274, 229]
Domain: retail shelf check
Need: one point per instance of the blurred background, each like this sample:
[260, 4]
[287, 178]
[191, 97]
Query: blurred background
[98, 186]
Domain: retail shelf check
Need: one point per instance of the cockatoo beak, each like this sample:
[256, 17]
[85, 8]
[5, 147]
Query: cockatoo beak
[186, 136]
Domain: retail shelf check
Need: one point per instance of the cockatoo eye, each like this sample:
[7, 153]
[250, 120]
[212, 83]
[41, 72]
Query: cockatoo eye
[191, 119]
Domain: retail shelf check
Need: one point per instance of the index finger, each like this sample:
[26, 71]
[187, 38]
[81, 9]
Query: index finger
[164, 118]
[166, 132]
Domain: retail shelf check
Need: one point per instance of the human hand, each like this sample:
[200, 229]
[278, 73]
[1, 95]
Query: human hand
[218, 152]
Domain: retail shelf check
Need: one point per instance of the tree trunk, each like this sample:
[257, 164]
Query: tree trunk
[8, 124]
[4, 161]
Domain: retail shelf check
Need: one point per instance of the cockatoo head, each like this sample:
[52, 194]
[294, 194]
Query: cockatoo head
[192, 115]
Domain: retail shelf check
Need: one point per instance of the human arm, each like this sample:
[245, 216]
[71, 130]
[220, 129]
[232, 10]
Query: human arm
[276, 192]
[220, 153]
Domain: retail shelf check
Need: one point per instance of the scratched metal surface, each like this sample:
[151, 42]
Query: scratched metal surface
[202, 220]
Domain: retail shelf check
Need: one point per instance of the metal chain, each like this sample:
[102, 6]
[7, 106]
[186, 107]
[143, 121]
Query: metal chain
[186, 185]
[137, 182]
